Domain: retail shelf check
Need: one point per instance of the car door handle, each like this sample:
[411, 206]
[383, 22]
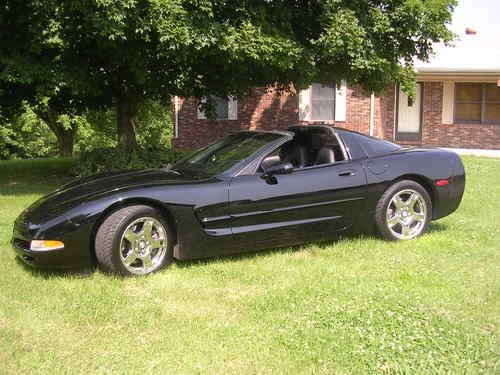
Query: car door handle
[347, 173]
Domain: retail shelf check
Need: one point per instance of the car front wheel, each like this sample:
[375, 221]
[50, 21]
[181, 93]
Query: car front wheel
[404, 211]
[134, 240]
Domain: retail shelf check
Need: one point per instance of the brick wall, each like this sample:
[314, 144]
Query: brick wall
[385, 128]
[435, 133]
[265, 110]
[268, 110]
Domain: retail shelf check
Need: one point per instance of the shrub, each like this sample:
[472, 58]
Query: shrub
[98, 150]
[25, 137]
[113, 159]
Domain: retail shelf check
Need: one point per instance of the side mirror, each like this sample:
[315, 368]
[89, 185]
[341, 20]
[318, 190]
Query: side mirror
[280, 168]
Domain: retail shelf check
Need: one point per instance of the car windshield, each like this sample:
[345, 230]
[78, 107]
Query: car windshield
[223, 154]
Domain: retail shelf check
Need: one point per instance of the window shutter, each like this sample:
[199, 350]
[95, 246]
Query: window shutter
[305, 104]
[232, 108]
[341, 101]
[448, 102]
[201, 114]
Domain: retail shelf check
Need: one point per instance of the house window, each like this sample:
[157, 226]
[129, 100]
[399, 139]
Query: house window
[225, 108]
[220, 106]
[322, 102]
[477, 103]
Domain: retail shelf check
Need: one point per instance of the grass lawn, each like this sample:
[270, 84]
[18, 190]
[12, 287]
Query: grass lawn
[360, 305]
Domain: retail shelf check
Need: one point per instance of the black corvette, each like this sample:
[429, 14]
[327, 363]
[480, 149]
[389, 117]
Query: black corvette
[248, 191]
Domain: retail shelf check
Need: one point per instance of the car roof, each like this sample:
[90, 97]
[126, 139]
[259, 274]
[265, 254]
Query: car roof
[292, 130]
[312, 126]
[278, 132]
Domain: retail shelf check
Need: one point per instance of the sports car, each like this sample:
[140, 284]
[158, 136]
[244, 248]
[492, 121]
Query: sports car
[250, 190]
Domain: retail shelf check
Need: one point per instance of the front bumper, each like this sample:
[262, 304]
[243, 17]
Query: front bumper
[40, 259]
[76, 253]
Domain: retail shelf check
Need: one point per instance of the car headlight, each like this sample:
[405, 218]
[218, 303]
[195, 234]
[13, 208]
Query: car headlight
[46, 245]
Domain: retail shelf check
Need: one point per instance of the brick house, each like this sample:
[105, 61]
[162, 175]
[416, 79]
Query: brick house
[457, 105]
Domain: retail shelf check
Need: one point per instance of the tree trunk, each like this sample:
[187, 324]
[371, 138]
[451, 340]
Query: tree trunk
[126, 112]
[65, 141]
[65, 137]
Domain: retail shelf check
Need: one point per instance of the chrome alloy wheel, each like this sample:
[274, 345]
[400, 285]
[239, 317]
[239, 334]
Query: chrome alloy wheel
[406, 214]
[143, 245]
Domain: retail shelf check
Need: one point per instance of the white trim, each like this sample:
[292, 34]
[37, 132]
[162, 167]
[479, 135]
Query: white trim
[232, 108]
[395, 112]
[305, 104]
[340, 101]
[200, 115]
[458, 77]
[456, 71]
[372, 114]
[176, 116]
[448, 102]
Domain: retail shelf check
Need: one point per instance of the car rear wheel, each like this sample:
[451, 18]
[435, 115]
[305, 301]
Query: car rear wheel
[134, 240]
[404, 211]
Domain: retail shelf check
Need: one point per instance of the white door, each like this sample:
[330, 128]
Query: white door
[409, 116]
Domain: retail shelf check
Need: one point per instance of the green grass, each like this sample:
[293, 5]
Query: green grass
[360, 305]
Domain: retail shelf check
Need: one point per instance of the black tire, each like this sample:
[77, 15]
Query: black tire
[381, 210]
[109, 236]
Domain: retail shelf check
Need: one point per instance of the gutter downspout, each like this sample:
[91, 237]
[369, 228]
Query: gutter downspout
[372, 115]
[395, 111]
[176, 116]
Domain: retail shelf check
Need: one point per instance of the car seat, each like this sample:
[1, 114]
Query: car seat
[294, 153]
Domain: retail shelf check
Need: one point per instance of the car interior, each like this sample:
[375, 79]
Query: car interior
[309, 147]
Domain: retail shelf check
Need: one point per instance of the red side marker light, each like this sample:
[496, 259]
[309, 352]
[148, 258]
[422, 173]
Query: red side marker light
[442, 182]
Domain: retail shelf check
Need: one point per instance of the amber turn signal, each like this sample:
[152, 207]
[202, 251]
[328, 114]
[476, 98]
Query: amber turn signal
[46, 245]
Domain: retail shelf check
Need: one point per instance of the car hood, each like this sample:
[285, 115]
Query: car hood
[80, 190]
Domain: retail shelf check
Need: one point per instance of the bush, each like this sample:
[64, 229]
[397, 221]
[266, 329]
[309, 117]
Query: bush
[97, 129]
[26, 137]
[113, 159]
[99, 152]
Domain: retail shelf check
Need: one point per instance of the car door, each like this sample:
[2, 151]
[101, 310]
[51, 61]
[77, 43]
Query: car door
[309, 203]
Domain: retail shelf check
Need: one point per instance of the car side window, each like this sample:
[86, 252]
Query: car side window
[307, 150]
[274, 158]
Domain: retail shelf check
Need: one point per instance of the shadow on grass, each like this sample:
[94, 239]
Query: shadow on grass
[37, 176]
[51, 273]
[437, 227]
[87, 272]
[356, 235]
[30, 186]
[277, 250]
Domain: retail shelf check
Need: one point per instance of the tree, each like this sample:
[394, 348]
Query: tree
[25, 136]
[56, 109]
[49, 107]
[127, 51]
[31, 72]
